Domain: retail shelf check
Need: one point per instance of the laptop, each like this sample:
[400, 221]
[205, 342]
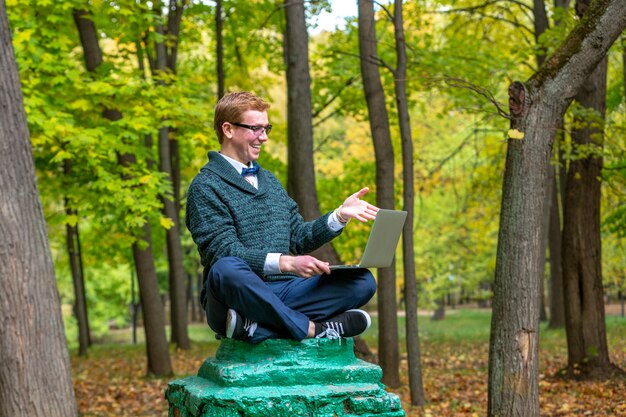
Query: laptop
[382, 242]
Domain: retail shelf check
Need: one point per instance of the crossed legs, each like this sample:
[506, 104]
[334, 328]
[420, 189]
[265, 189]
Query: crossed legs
[282, 309]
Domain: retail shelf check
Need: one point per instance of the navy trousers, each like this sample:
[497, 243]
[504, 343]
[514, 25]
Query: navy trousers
[282, 309]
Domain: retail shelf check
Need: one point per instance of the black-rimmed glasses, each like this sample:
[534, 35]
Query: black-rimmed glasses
[256, 130]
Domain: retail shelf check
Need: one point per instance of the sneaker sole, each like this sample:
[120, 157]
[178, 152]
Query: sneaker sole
[231, 323]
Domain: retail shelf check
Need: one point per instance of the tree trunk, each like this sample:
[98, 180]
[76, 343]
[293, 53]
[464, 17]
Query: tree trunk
[191, 298]
[175, 164]
[416, 384]
[540, 20]
[557, 306]
[178, 305]
[159, 362]
[536, 108]
[388, 352]
[301, 166]
[219, 48]
[440, 311]
[35, 377]
[541, 267]
[582, 245]
[199, 280]
[557, 309]
[588, 353]
[80, 303]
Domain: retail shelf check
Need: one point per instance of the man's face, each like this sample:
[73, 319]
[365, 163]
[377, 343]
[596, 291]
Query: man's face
[241, 143]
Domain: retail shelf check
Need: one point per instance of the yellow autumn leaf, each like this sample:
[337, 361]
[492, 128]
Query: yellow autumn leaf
[72, 220]
[145, 179]
[515, 134]
[166, 222]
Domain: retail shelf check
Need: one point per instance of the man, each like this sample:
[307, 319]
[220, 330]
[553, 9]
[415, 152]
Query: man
[258, 281]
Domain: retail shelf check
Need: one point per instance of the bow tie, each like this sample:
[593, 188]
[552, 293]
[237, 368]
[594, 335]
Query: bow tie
[250, 171]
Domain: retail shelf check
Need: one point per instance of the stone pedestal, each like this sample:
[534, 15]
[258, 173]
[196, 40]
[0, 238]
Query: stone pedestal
[315, 377]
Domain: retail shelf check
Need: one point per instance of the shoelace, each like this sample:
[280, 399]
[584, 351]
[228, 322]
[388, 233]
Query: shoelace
[329, 334]
[249, 326]
[336, 326]
[333, 330]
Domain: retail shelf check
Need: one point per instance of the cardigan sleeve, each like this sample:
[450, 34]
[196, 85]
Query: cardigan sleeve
[213, 229]
[305, 236]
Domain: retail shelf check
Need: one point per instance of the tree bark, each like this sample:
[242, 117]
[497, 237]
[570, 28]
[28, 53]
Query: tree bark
[541, 24]
[416, 384]
[388, 352]
[78, 278]
[588, 353]
[536, 107]
[178, 305]
[35, 377]
[219, 48]
[80, 302]
[159, 362]
[301, 166]
[557, 306]
[440, 311]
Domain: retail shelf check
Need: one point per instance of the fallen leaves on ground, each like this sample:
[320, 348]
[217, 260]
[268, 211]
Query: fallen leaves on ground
[455, 383]
[111, 381]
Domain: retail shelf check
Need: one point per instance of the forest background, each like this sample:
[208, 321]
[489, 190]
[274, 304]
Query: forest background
[462, 57]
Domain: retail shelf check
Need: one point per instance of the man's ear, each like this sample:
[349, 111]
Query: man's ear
[227, 130]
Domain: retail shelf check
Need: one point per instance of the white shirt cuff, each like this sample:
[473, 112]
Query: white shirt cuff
[272, 264]
[333, 223]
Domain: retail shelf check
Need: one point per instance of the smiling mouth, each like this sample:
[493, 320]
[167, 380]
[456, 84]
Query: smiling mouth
[256, 146]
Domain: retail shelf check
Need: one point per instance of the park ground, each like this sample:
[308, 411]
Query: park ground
[111, 380]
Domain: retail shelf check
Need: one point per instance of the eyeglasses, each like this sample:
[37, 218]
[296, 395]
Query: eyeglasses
[256, 130]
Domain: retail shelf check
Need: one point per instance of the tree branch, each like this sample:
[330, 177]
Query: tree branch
[345, 85]
[483, 6]
[461, 83]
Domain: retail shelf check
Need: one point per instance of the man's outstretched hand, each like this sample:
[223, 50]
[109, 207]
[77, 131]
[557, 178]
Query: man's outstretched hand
[355, 208]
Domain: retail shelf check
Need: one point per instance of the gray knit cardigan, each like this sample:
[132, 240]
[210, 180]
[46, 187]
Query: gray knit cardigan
[229, 217]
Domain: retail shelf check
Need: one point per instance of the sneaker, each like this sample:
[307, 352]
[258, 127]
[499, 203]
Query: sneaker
[238, 327]
[348, 324]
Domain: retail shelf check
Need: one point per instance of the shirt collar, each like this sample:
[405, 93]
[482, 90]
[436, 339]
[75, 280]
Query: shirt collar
[236, 164]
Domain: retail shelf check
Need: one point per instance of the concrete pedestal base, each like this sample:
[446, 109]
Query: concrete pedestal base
[315, 377]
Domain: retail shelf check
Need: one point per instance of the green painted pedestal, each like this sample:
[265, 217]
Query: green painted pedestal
[315, 377]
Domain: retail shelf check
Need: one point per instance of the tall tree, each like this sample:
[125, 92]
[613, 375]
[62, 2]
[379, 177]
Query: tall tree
[76, 267]
[587, 347]
[162, 67]
[555, 178]
[159, 362]
[219, 48]
[535, 109]
[541, 24]
[388, 353]
[557, 300]
[35, 375]
[301, 166]
[408, 252]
